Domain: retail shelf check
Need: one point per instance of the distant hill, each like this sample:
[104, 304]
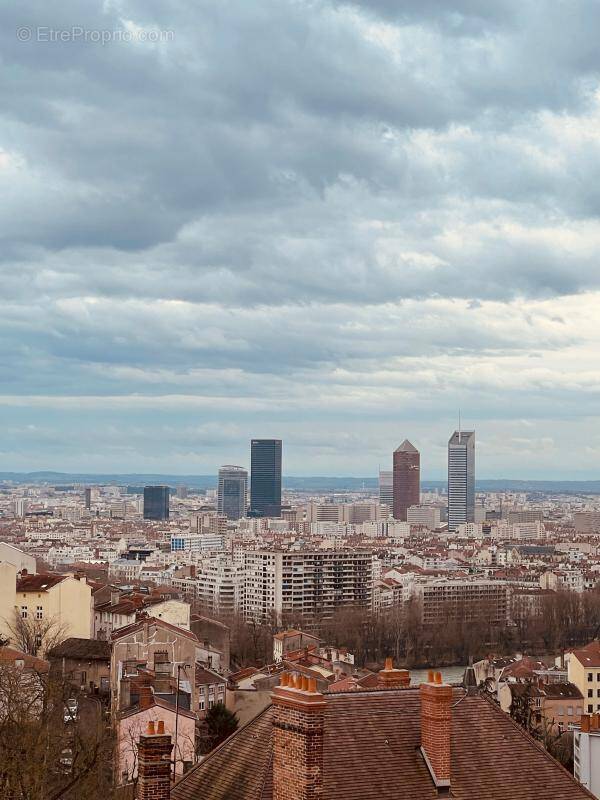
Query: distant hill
[308, 484]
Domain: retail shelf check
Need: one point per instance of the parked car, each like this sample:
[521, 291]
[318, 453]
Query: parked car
[71, 711]
[66, 761]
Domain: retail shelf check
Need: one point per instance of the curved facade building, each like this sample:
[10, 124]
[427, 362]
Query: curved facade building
[232, 492]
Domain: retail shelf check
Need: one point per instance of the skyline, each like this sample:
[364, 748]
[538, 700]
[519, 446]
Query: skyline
[329, 222]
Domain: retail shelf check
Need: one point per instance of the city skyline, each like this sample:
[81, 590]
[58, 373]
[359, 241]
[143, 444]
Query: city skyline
[369, 219]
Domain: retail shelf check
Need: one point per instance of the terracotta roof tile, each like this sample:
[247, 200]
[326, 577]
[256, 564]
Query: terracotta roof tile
[371, 752]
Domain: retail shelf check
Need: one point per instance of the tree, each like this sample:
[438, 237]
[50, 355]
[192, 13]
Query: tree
[42, 757]
[36, 636]
[219, 723]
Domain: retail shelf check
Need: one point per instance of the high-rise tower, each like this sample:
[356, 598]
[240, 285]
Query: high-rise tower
[461, 478]
[232, 492]
[265, 478]
[386, 488]
[156, 502]
[407, 479]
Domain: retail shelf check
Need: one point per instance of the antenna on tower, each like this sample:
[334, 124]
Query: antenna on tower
[459, 431]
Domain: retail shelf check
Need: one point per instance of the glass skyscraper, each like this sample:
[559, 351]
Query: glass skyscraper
[386, 488]
[265, 478]
[156, 502]
[461, 478]
[232, 492]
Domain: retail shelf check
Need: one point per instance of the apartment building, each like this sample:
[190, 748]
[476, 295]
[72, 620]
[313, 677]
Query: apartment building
[430, 516]
[584, 672]
[197, 542]
[46, 604]
[306, 584]
[219, 585]
[462, 600]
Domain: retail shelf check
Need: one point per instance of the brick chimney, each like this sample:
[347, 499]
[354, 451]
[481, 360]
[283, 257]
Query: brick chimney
[146, 698]
[154, 763]
[436, 726]
[390, 678]
[298, 739]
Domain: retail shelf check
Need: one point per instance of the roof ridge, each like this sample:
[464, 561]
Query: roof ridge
[220, 746]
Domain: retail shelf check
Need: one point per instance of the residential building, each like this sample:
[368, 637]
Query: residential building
[210, 689]
[290, 640]
[430, 516]
[448, 599]
[197, 542]
[265, 478]
[23, 562]
[406, 479]
[151, 647]
[587, 521]
[461, 478]
[82, 663]
[45, 606]
[586, 753]
[584, 672]
[219, 586]
[306, 585]
[232, 492]
[146, 713]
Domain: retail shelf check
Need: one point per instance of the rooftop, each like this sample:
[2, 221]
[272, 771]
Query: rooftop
[371, 752]
[406, 447]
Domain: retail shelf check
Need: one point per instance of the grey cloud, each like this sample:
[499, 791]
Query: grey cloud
[372, 208]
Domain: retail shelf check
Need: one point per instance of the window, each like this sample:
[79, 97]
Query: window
[201, 704]
[590, 708]
[23, 612]
[590, 692]
[39, 612]
[83, 678]
[590, 677]
[569, 711]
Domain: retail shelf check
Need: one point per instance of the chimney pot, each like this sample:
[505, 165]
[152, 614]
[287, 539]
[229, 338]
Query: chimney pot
[150, 730]
[285, 679]
[304, 683]
[438, 678]
[389, 664]
[312, 685]
[160, 728]
[430, 676]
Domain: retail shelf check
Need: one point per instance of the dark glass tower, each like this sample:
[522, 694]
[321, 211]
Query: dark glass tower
[265, 478]
[156, 502]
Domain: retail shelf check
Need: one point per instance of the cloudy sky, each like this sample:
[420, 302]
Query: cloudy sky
[330, 222]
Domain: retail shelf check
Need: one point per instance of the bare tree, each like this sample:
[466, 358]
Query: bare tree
[36, 636]
[45, 755]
